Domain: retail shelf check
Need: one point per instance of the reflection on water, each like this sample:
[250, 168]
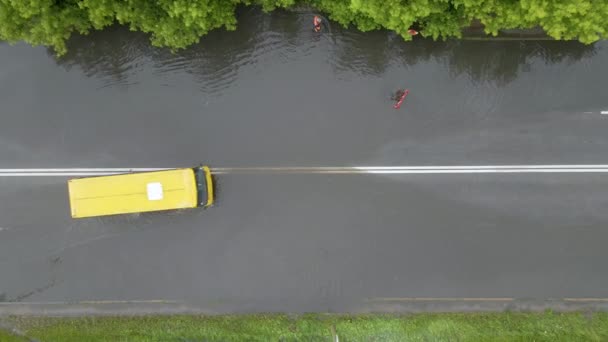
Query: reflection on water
[117, 55]
[363, 53]
[502, 61]
[498, 61]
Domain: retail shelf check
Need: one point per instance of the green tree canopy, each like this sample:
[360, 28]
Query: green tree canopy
[179, 23]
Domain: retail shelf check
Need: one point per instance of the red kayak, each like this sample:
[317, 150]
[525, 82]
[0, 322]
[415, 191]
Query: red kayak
[398, 104]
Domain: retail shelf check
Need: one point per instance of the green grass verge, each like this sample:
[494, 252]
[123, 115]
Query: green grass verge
[318, 327]
[6, 336]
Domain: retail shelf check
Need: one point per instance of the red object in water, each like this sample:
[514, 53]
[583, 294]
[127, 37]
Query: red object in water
[398, 104]
[412, 32]
[316, 22]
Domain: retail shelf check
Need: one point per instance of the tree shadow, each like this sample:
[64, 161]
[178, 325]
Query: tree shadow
[111, 54]
[116, 55]
[372, 53]
[366, 53]
[497, 61]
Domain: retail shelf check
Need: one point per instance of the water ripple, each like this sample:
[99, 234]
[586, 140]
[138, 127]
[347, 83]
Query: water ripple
[115, 62]
[117, 57]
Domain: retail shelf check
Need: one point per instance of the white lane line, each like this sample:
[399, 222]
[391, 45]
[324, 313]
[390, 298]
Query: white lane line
[599, 168]
[94, 302]
[99, 169]
[553, 166]
[433, 167]
[604, 112]
[442, 299]
[481, 299]
[56, 174]
[72, 172]
[487, 171]
[283, 168]
[456, 169]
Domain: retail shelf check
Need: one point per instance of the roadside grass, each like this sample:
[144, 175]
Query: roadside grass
[547, 326]
[6, 336]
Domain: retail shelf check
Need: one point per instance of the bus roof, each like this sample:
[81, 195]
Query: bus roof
[132, 193]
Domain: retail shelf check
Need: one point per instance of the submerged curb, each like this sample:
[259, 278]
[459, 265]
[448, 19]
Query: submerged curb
[372, 305]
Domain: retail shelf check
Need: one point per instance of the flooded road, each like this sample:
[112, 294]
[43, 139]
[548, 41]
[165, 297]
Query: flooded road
[274, 94]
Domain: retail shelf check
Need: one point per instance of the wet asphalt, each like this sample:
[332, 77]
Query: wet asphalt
[273, 94]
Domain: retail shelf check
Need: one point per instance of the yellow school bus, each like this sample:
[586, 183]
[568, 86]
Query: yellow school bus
[141, 192]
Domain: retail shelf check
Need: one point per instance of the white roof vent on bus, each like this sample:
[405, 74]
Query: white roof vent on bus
[155, 191]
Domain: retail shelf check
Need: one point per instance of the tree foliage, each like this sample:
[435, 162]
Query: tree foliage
[584, 20]
[179, 23]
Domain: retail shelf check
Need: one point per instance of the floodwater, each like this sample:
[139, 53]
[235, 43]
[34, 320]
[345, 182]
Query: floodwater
[273, 93]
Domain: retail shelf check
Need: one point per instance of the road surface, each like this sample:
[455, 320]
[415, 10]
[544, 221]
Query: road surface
[273, 96]
[317, 242]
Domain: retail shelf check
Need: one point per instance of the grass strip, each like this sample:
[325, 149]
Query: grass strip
[546, 326]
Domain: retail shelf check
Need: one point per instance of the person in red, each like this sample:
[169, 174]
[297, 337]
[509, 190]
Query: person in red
[316, 22]
[399, 97]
